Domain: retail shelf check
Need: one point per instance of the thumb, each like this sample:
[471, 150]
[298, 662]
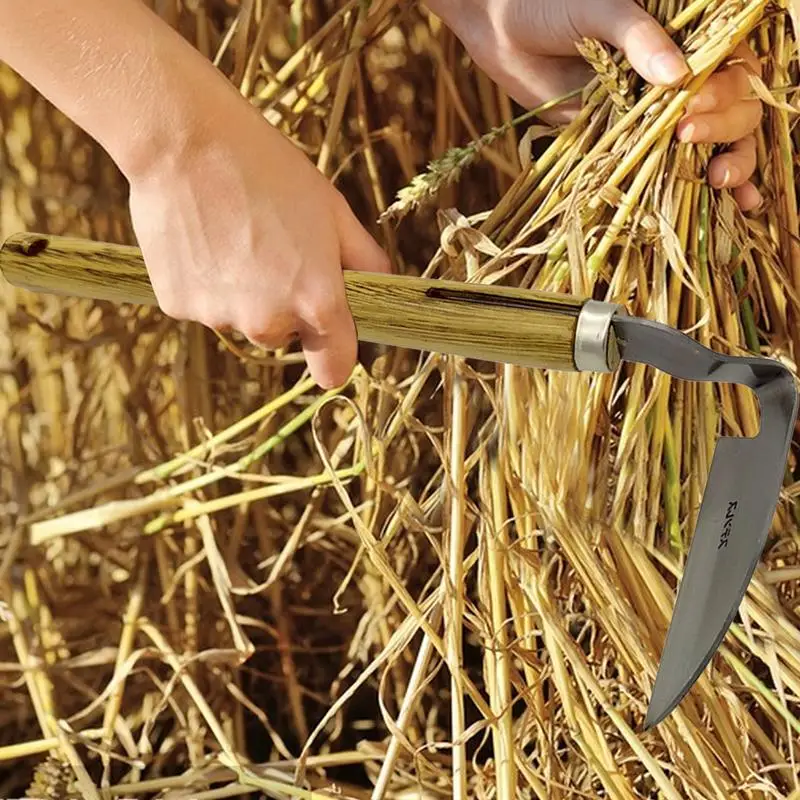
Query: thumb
[358, 250]
[649, 48]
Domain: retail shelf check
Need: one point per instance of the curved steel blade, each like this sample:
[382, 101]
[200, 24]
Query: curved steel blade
[738, 503]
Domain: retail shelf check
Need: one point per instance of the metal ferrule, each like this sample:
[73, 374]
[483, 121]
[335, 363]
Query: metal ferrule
[596, 348]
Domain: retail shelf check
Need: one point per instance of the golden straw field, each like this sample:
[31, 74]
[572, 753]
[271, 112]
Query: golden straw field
[446, 579]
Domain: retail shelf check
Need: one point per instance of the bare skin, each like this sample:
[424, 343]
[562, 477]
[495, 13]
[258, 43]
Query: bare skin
[528, 47]
[237, 227]
[223, 213]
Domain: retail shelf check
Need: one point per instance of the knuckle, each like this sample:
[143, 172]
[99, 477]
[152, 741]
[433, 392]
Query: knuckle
[270, 329]
[739, 82]
[322, 313]
[171, 305]
[216, 322]
[266, 340]
[746, 148]
[756, 108]
[751, 58]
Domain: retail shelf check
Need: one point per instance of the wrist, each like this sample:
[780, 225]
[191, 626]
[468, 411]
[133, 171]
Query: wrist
[176, 107]
[170, 121]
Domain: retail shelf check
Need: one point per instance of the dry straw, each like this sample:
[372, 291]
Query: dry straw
[446, 579]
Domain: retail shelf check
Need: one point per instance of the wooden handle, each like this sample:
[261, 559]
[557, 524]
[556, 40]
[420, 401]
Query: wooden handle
[491, 323]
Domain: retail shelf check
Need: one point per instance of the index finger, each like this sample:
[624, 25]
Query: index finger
[328, 333]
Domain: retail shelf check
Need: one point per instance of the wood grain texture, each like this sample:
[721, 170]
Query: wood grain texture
[497, 324]
[491, 323]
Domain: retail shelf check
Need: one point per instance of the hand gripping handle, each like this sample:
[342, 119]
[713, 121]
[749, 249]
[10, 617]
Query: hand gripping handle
[490, 323]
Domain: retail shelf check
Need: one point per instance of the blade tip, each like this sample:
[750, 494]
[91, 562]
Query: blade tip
[653, 718]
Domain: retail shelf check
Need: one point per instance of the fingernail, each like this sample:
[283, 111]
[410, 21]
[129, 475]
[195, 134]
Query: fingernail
[687, 132]
[731, 176]
[668, 67]
[701, 103]
[701, 130]
[694, 132]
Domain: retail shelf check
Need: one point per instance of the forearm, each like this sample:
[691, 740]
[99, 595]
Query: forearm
[116, 70]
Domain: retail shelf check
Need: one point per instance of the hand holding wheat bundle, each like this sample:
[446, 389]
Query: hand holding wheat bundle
[237, 227]
[531, 48]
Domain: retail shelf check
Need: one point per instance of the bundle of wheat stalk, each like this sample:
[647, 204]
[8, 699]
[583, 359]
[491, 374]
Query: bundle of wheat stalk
[446, 579]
